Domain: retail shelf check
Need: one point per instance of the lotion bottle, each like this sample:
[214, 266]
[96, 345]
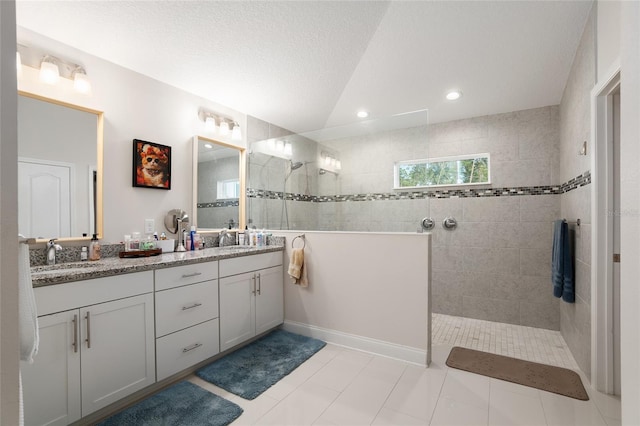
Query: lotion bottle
[94, 248]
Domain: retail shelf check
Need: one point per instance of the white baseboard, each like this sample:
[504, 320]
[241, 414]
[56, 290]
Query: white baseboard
[365, 344]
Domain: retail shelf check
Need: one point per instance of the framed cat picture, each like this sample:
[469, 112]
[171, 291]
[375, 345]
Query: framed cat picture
[151, 165]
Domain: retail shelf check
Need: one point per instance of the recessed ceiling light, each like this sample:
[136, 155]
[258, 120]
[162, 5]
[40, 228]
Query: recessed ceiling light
[363, 114]
[454, 95]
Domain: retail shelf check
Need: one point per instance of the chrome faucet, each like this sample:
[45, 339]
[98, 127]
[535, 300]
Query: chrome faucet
[52, 248]
[226, 239]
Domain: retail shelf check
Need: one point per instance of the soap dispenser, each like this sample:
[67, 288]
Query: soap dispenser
[94, 248]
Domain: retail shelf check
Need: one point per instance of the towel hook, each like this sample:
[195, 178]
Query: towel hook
[304, 241]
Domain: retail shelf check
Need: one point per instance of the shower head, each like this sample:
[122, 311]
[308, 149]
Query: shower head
[293, 166]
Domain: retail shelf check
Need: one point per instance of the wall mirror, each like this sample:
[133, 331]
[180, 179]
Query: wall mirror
[218, 185]
[59, 169]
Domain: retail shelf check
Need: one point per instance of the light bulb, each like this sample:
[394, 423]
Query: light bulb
[280, 145]
[333, 162]
[288, 149]
[49, 72]
[271, 144]
[210, 124]
[81, 82]
[224, 128]
[338, 165]
[362, 114]
[236, 133]
[327, 160]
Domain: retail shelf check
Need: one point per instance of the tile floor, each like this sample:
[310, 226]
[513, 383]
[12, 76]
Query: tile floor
[341, 386]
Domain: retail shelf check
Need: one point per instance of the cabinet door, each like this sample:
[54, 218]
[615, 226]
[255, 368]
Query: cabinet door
[51, 385]
[118, 355]
[269, 299]
[237, 315]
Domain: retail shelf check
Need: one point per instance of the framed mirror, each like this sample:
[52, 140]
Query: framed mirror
[219, 186]
[59, 169]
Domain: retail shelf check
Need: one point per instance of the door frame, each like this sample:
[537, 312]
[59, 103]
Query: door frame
[602, 211]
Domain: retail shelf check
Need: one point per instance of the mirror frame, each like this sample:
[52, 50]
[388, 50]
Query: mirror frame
[99, 161]
[242, 175]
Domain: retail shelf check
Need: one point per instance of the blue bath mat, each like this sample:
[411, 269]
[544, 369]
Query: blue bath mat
[251, 370]
[181, 404]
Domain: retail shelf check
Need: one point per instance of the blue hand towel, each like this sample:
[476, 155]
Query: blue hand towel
[562, 263]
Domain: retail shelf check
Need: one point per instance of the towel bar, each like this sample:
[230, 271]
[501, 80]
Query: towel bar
[304, 241]
[577, 222]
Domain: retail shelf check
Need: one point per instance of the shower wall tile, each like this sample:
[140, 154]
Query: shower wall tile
[447, 303]
[537, 290]
[493, 209]
[491, 309]
[439, 208]
[539, 208]
[541, 315]
[535, 262]
[470, 234]
[500, 261]
[521, 173]
[575, 127]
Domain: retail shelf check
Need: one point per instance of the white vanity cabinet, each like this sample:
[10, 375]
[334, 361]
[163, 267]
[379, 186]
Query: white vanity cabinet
[96, 347]
[186, 316]
[251, 297]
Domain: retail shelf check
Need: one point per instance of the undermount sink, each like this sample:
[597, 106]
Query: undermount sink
[61, 267]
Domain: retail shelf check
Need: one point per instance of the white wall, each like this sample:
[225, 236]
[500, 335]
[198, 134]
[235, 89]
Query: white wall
[9, 342]
[630, 205]
[608, 35]
[135, 107]
[371, 285]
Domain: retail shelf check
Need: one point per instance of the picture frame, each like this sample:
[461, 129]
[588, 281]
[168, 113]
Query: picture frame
[151, 165]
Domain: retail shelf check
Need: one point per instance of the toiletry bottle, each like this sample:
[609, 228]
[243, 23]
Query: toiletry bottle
[192, 234]
[94, 248]
[259, 238]
[84, 255]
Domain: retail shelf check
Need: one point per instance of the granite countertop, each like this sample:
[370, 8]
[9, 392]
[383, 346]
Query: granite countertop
[77, 271]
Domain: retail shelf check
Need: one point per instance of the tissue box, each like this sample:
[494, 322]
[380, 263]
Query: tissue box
[167, 246]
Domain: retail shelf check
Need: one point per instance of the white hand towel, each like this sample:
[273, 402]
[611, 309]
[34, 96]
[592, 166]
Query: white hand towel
[28, 314]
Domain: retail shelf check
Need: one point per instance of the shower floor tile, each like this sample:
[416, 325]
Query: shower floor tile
[517, 341]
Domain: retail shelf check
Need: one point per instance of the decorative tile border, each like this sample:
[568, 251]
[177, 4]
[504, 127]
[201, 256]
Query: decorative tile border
[227, 203]
[577, 182]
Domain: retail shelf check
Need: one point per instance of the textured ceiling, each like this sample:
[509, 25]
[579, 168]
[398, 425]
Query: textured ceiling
[311, 64]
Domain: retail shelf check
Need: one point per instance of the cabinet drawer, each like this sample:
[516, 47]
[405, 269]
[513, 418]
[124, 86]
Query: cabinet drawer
[182, 307]
[239, 265]
[183, 349]
[62, 297]
[186, 274]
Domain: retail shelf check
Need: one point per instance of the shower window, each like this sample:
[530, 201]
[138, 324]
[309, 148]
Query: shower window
[446, 171]
[228, 189]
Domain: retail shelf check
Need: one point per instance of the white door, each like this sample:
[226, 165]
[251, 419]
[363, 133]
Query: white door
[237, 312]
[269, 299]
[118, 356]
[616, 242]
[51, 385]
[44, 199]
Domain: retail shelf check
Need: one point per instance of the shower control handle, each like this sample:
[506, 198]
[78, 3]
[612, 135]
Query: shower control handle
[428, 224]
[449, 223]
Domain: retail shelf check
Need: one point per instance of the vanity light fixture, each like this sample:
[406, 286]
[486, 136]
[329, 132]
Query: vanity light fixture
[454, 95]
[362, 114]
[49, 71]
[81, 82]
[51, 68]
